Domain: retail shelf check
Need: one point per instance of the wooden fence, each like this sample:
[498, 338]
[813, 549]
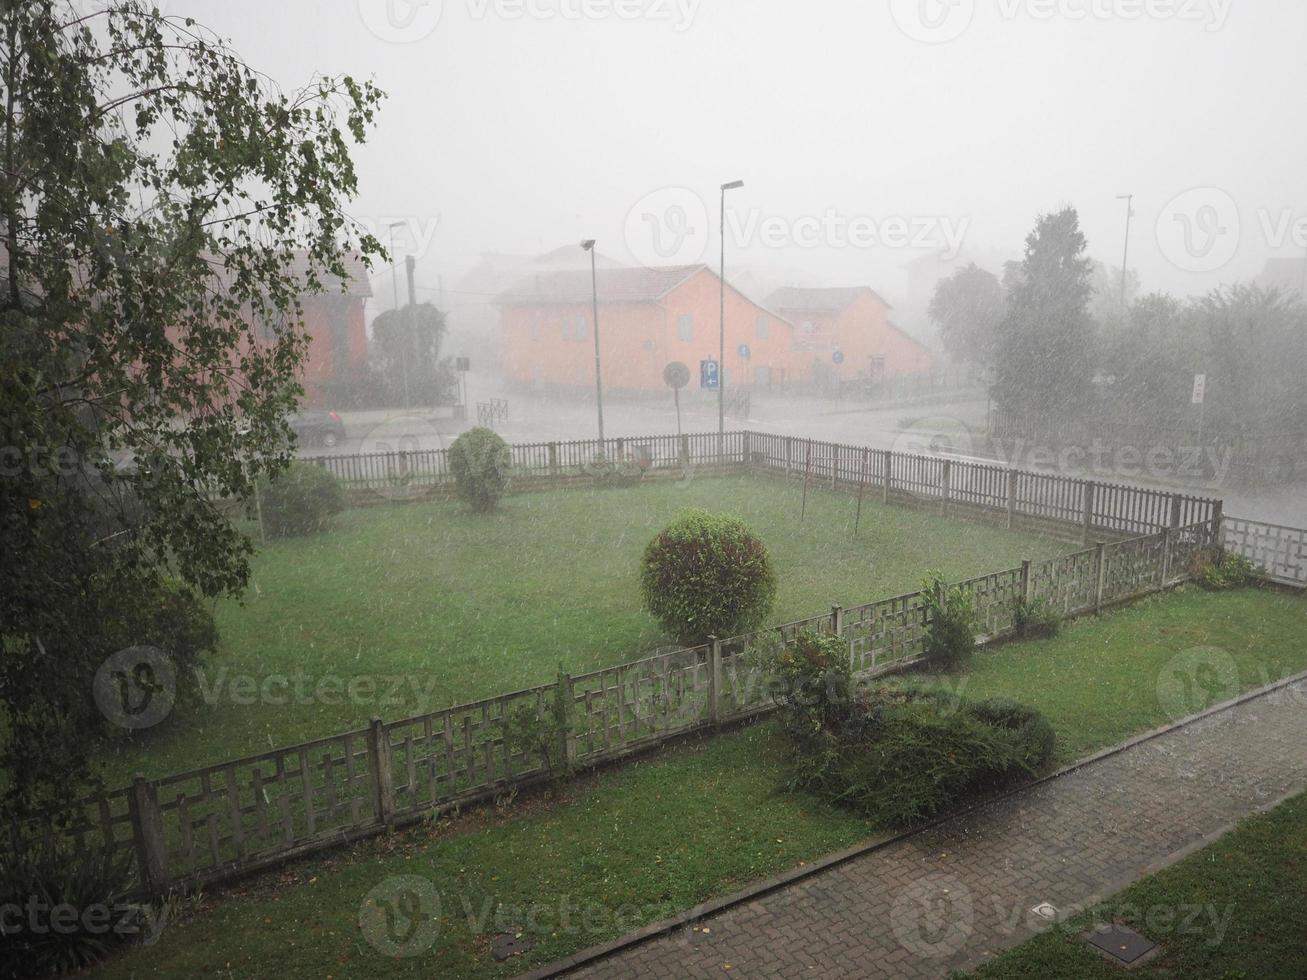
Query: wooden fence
[1071, 507]
[213, 823]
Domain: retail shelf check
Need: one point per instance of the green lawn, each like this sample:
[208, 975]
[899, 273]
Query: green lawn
[1233, 909]
[438, 606]
[690, 822]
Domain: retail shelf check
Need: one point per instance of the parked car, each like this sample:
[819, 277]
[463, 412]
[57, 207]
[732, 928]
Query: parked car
[317, 428]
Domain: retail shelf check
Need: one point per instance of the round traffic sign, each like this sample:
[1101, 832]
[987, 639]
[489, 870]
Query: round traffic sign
[838, 357]
[744, 351]
[676, 375]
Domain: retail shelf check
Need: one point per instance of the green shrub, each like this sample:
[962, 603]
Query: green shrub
[40, 877]
[903, 755]
[301, 500]
[170, 617]
[707, 575]
[1033, 740]
[1036, 620]
[480, 461]
[811, 678]
[1217, 569]
[950, 637]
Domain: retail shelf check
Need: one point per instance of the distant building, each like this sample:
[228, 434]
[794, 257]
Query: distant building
[1289, 276]
[337, 327]
[845, 334]
[471, 307]
[648, 317]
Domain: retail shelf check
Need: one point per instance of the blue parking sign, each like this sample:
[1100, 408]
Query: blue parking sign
[708, 377]
[838, 357]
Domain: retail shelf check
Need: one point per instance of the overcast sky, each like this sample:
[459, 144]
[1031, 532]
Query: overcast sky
[516, 126]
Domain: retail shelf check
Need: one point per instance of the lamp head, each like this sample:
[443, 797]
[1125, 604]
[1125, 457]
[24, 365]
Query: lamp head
[588, 244]
[732, 185]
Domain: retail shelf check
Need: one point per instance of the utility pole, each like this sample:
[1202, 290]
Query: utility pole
[589, 246]
[410, 318]
[721, 327]
[394, 292]
[1125, 254]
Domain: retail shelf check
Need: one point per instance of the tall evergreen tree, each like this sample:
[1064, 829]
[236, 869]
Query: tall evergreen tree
[1045, 348]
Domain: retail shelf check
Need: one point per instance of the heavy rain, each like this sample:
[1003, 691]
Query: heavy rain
[653, 488]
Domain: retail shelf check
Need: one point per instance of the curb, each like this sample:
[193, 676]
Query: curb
[767, 885]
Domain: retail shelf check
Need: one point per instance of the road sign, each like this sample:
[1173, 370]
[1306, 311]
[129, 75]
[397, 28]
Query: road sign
[744, 352]
[462, 364]
[708, 376]
[838, 357]
[676, 375]
[1200, 388]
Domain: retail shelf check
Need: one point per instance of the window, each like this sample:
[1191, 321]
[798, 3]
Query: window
[685, 327]
[535, 326]
[581, 328]
[760, 327]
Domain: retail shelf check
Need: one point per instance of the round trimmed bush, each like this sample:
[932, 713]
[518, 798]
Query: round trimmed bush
[480, 461]
[302, 500]
[707, 575]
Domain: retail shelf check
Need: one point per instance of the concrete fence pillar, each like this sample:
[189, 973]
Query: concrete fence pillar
[383, 776]
[1100, 563]
[147, 834]
[715, 681]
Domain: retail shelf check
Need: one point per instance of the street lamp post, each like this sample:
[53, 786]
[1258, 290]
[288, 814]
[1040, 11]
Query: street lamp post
[1125, 253]
[721, 328]
[589, 246]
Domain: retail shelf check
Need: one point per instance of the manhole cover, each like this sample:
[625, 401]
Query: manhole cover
[1120, 943]
[510, 944]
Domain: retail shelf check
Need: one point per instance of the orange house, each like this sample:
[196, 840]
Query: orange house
[648, 317]
[336, 323]
[845, 334]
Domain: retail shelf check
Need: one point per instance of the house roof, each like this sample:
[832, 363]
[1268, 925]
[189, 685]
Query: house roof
[637, 285]
[819, 300]
[355, 283]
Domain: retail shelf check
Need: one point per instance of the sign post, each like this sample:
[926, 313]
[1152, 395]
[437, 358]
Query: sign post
[709, 375]
[676, 376]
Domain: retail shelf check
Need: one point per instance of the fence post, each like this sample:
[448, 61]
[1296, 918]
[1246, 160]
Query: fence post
[834, 463]
[564, 703]
[553, 459]
[1088, 516]
[382, 774]
[745, 456]
[946, 481]
[1166, 556]
[1011, 497]
[1175, 510]
[714, 680]
[685, 449]
[147, 831]
[1025, 581]
[837, 620]
[1218, 513]
[889, 476]
[1100, 562]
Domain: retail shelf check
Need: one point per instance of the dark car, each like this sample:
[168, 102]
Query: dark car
[317, 428]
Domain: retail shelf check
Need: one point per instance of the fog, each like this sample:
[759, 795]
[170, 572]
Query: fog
[514, 127]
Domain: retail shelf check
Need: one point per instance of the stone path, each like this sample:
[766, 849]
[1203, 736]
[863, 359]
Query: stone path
[951, 896]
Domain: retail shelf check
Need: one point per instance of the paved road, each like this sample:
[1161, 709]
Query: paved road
[912, 427]
[950, 897]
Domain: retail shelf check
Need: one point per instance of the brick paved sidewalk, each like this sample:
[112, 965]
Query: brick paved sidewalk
[954, 894]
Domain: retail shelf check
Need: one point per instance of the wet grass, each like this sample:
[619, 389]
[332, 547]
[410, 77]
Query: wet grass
[403, 609]
[640, 842]
[1233, 909]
